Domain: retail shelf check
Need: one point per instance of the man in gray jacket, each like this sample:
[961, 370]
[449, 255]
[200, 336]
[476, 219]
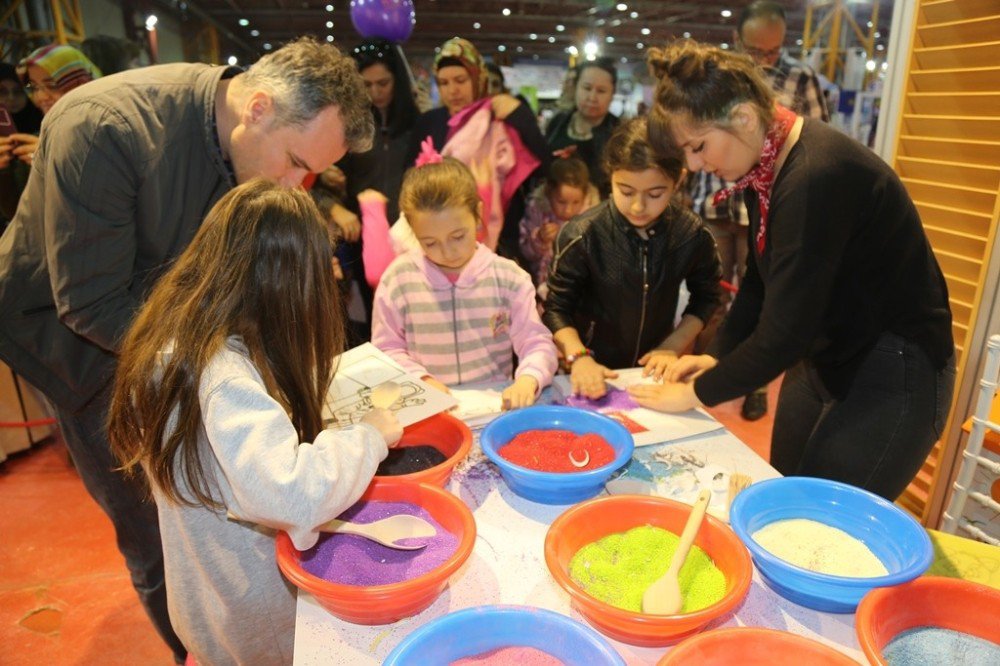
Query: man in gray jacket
[126, 170]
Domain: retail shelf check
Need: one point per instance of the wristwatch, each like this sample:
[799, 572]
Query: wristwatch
[572, 358]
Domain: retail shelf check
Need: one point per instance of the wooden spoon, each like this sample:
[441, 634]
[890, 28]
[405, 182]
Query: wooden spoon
[387, 531]
[664, 597]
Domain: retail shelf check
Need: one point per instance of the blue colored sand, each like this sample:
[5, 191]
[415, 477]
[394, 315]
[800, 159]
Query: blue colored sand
[932, 646]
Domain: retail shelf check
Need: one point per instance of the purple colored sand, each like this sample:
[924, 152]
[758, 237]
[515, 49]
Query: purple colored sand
[353, 560]
[613, 400]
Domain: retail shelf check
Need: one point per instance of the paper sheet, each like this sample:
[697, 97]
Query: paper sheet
[364, 367]
[477, 407]
[646, 425]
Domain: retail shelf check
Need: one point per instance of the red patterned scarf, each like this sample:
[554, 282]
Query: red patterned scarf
[761, 177]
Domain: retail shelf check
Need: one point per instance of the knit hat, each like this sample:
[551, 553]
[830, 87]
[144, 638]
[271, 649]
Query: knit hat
[461, 52]
[68, 67]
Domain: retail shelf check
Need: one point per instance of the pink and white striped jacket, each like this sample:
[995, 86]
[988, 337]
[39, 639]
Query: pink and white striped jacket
[464, 332]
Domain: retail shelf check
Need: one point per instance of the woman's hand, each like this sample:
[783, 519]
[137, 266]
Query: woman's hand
[687, 368]
[347, 222]
[25, 146]
[666, 397]
[503, 105]
[587, 378]
[657, 363]
[386, 423]
[519, 394]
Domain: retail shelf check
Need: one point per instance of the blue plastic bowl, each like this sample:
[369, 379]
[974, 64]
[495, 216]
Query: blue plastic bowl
[555, 487]
[892, 535]
[473, 631]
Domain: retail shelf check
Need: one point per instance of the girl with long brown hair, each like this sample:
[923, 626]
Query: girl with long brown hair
[218, 399]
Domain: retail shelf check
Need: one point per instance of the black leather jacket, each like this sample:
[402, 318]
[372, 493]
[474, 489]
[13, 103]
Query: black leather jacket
[620, 290]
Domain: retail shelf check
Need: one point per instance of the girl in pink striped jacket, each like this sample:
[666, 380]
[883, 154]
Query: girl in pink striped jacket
[453, 312]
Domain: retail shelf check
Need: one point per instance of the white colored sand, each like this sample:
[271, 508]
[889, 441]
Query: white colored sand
[819, 547]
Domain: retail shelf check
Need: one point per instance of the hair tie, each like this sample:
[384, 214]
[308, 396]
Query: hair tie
[428, 155]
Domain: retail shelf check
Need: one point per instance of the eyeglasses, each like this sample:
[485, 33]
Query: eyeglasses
[760, 54]
[33, 88]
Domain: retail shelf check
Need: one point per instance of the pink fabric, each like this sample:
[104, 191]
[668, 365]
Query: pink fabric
[376, 248]
[474, 135]
[415, 298]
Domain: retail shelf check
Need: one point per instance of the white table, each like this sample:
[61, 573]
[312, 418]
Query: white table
[507, 565]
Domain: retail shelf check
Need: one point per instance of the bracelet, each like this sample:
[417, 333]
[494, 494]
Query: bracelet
[572, 358]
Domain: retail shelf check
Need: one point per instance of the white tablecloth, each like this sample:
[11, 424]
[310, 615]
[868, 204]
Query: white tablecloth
[507, 564]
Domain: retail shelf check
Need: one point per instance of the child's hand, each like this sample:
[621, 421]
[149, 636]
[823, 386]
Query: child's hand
[386, 423]
[430, 381]
[547, 233]
[371, 195]
[657, 363]
[333, 178]
[689, 367]
[347, 222]
[587, 377]
[519, 394]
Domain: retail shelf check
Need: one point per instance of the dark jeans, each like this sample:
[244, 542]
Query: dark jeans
[137, 527]
[878, 437]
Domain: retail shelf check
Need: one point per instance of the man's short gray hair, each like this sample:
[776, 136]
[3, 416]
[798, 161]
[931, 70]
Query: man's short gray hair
[304, 77]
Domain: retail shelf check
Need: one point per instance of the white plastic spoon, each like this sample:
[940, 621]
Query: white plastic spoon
[664, 597]
[387, 531]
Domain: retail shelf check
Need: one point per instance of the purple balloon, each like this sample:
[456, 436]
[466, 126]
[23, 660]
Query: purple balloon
[388, 19]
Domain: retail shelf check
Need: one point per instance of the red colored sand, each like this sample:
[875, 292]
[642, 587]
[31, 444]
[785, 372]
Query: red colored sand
[549, 450]
[512, 656]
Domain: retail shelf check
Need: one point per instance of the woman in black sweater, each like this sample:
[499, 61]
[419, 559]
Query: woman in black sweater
[842, 289]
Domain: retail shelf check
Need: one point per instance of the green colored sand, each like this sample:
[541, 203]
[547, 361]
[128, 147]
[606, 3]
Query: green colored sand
[618, 568]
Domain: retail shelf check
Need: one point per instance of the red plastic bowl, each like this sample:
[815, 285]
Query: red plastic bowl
[383, 604]
[753, 646]
[934, 601]
[448, 435]
[597, 518]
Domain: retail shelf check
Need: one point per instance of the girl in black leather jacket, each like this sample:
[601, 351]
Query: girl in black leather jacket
[617, 270]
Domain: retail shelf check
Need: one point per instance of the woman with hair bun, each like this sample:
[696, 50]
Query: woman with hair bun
[842, 291]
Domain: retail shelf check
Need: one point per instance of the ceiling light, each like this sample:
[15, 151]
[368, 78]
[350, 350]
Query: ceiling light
[572, 50]
[609, 39]
[798, 42]
[560, 27]
[724, 45]
[590, 48]
[329, 38]
[634, 15]
[244, 22]
[151, 22]
[726, 13]
[533, 36]
[232, 60]
[267, 46]
[520, 49]
[329, 24]
[505, 12]
[645, 31]
[624, 60]
[880, 47]
[255, 33]
[476, 25]
[501, 48]
[329, 8]
[552, 40]
[621, 6]
[640, 46]
[870, 65]
[877, 35]
[687, 35]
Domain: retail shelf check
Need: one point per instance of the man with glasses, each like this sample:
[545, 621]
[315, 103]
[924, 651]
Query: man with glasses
[761, 35]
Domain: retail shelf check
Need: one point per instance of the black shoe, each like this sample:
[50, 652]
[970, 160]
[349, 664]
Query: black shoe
[754, 406]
